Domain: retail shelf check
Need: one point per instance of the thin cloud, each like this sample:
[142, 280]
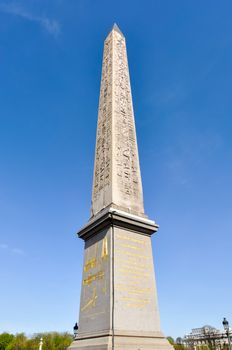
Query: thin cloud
[50, 25]
[3, 246]
[16, 251]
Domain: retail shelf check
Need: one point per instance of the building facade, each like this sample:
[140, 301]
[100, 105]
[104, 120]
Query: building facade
[206, 336]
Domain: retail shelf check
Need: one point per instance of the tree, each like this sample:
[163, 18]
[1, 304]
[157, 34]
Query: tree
[53, 341]
[179, 347]
[171, 340]
[5, 339]
[18, 343]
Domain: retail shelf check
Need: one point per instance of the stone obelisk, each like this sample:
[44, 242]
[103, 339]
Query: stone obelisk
[118, 308]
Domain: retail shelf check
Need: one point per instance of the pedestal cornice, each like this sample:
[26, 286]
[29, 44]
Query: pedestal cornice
[118, 218]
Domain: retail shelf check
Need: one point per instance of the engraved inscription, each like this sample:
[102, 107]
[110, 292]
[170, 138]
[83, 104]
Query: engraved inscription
[95, 282]
[128, 173]
[90, 264]
[103, 144]
[134, 286]
[91, 302]
[117, 178]
[105, 253]
[97, 276]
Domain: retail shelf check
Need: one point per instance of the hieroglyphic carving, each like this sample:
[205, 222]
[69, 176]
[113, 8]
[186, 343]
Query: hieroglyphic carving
[127, 163]
[95, 281]
[105, 253]
[91, 302]
[117, 178]
[95, 277]
[103, 157]
[90, 264]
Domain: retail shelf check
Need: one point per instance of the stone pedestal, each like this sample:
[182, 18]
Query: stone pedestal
[122, 343]
[118, 308]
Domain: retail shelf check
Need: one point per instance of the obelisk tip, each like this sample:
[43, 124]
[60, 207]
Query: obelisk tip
[116, 28]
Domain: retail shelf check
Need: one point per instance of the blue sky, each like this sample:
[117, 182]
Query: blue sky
[180, 55]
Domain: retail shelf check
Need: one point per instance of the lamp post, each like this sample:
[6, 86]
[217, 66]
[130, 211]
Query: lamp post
[227, 329]
[41, 344]
[75, 330]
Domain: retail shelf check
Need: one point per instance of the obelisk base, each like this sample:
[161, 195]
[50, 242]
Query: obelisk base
[121, 343]
[119, 308]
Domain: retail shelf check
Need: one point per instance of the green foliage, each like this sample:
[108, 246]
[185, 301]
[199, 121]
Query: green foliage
[171, 340]
[51, 341]
[18, 343]
[202, 347]
[179, 346]
[208, 346]
[5, 339]
[225, 347]
[176, 346]
[55, 341]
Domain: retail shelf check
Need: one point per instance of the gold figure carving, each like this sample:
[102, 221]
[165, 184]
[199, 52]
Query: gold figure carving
[91, 302]
[90, 264]
[104, 254]
[97, 276]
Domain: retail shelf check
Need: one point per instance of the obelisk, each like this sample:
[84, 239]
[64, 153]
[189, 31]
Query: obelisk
[118, 308]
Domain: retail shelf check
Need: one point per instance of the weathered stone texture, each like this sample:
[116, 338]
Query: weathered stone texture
[117, 179]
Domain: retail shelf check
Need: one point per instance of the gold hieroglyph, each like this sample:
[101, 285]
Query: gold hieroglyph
[97, 276]
[90, 264]
[91, 302]
[104, 254]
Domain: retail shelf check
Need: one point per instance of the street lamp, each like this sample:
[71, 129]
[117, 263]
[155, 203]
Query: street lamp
[41, 344]
[227, 329]
[75, 330]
